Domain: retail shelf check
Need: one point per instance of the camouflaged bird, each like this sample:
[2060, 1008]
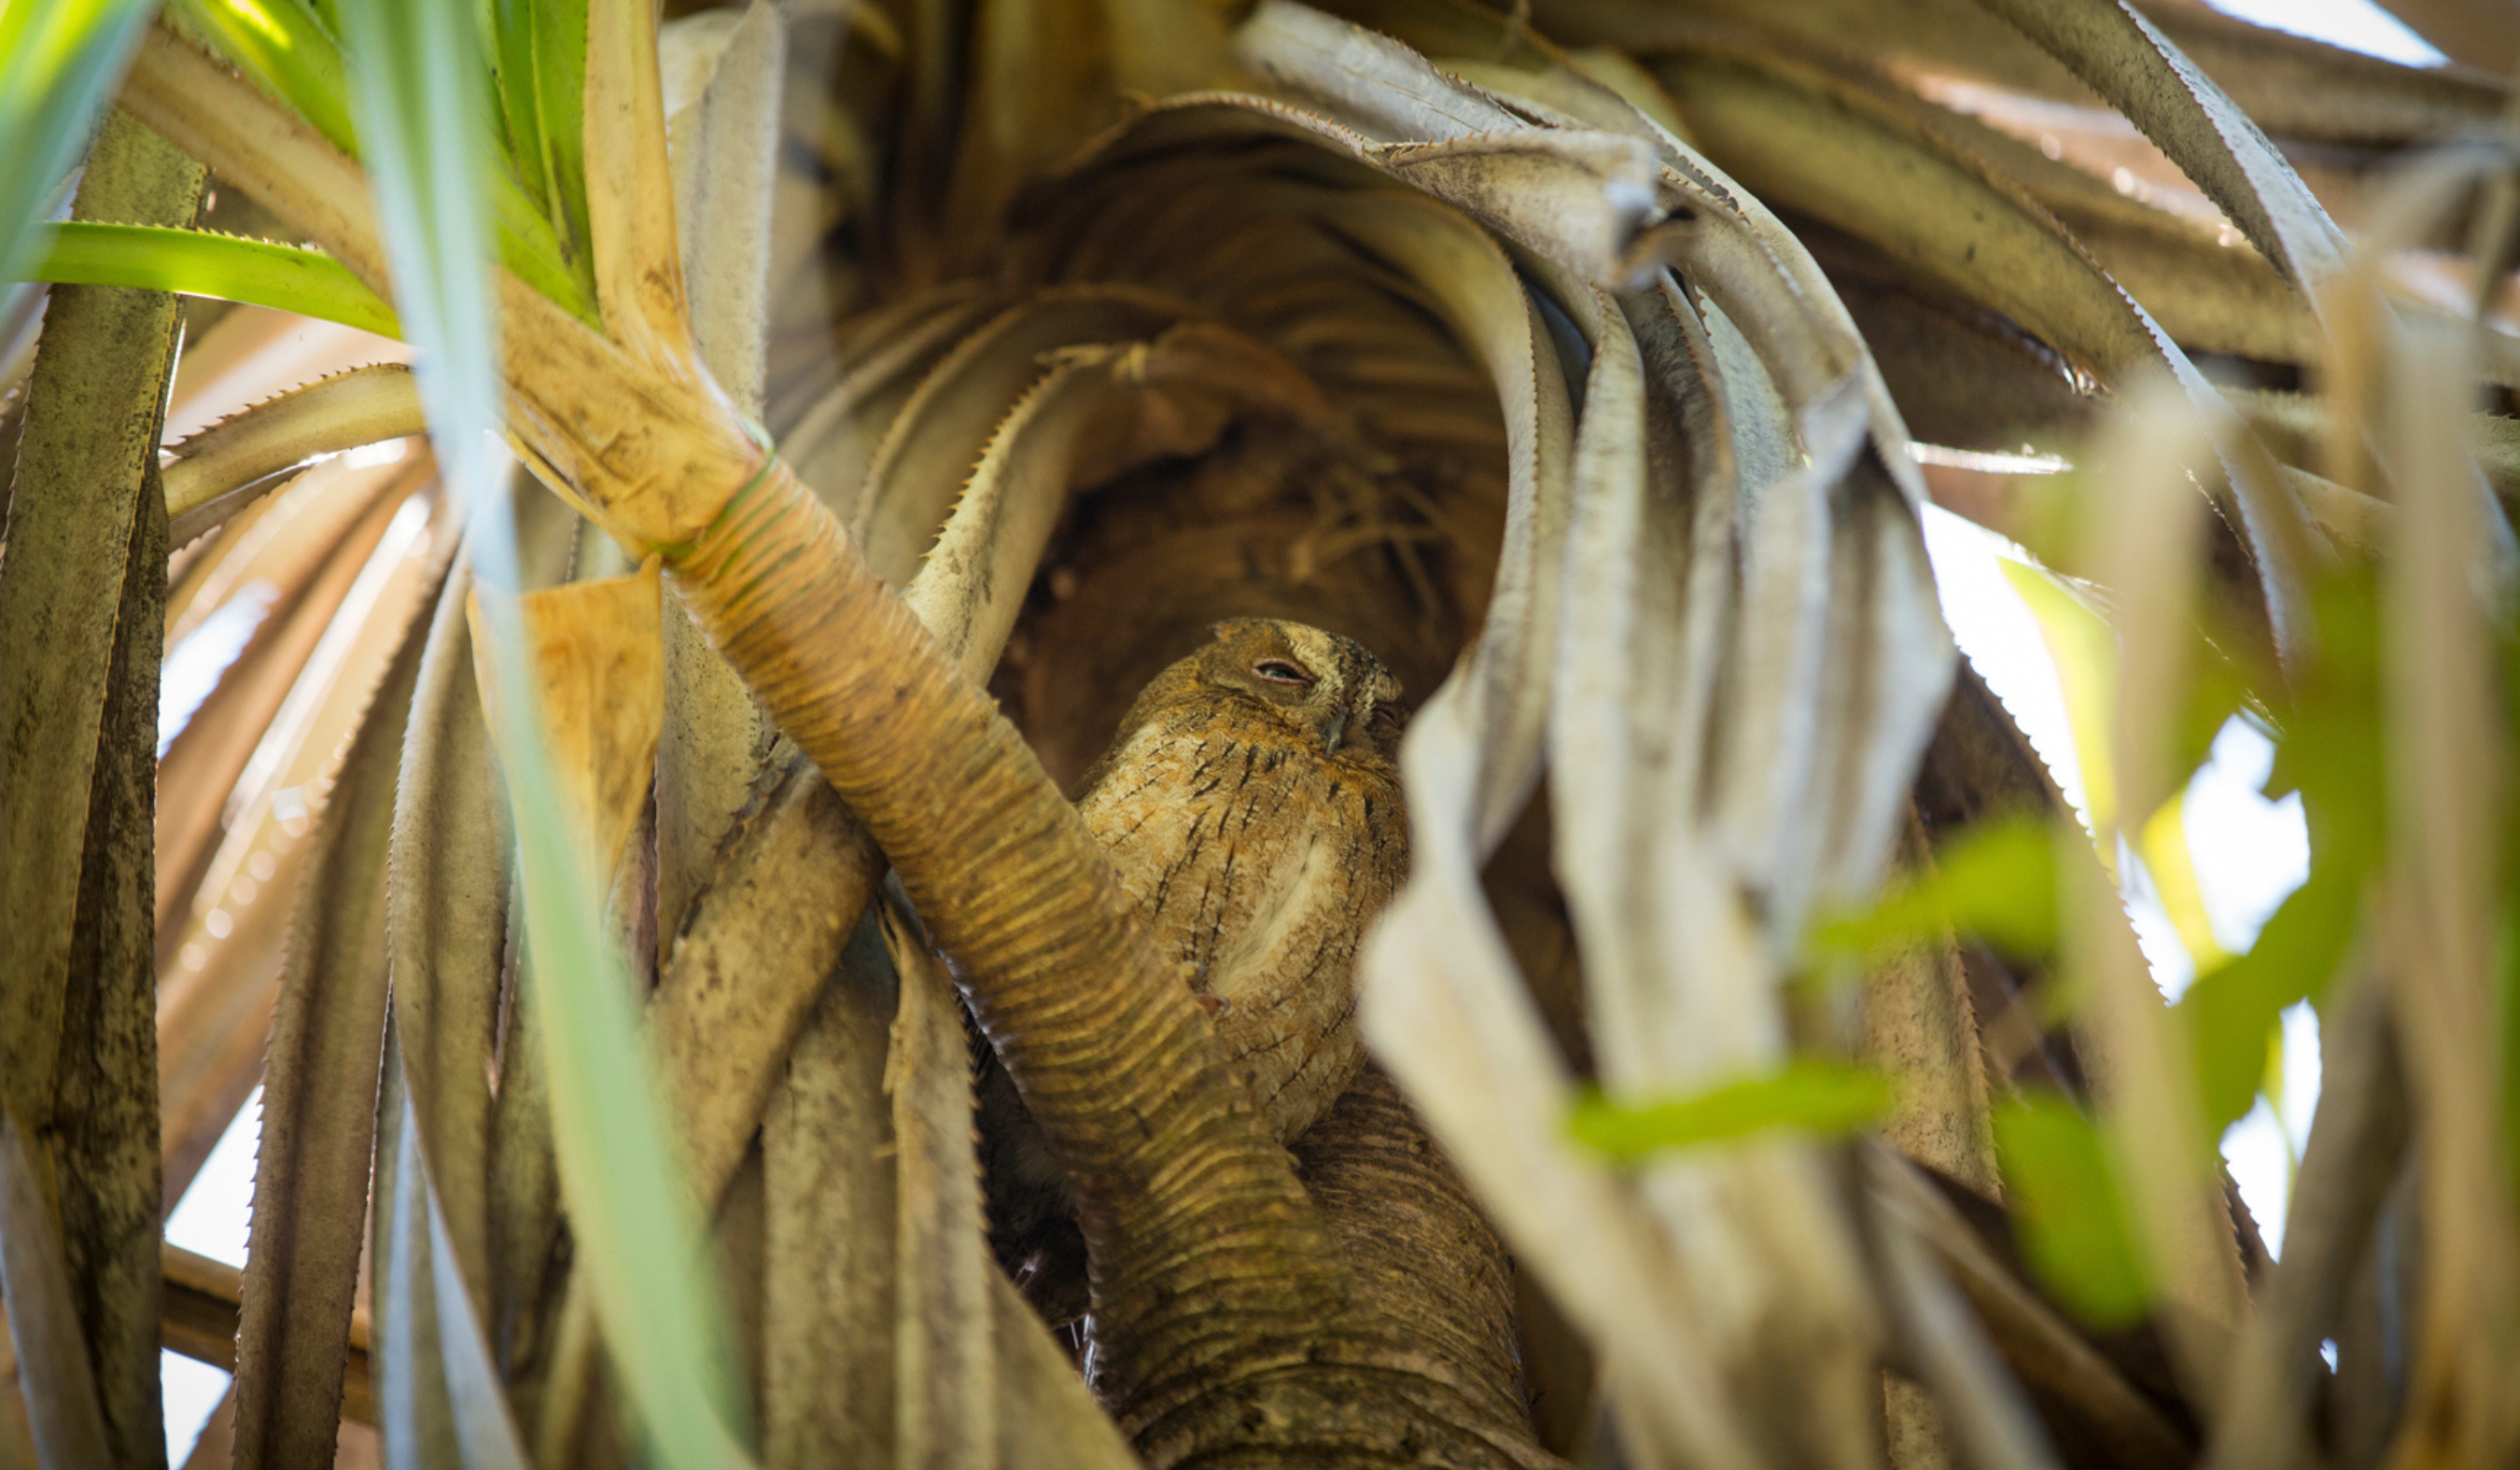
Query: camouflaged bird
[1251, 803]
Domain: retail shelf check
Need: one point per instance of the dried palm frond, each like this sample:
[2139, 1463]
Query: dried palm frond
[916, 380]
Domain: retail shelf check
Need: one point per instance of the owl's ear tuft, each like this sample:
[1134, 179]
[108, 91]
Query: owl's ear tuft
[1233, 627]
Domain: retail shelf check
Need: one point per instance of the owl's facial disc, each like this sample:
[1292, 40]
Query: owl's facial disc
[1320, 704]
[1329, 687]
[1310, 701]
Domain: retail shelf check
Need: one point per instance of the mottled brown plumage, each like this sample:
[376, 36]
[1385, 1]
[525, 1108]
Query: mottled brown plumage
[1252, 804]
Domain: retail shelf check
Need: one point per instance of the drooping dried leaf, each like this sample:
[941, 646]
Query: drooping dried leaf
[630, 191]
[215, 468]
[221, 977]
[319, 1105]
[446, 911]
[828, 1360]
[1441, 1007]
[598, 672]
[945, 1371]
[1823, 376]
[2124, 57]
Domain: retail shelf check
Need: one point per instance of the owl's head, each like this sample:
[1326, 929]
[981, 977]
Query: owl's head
[1331, 689]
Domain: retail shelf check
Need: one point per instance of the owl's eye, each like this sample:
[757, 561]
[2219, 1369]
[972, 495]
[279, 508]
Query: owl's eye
[1278, 671]
[1386, 717]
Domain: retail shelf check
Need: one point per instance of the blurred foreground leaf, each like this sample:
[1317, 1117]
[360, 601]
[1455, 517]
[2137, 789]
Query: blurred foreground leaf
[426, 133]
[58, 60]
[2067, 1205]
[2328, 747]
[1814, 1098]
[1997, 880]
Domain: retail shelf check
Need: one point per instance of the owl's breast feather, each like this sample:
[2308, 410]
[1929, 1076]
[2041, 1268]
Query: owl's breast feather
[1256, 862]
[1231, 846]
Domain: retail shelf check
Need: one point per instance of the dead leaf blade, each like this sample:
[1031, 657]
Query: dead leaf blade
[319, 1107]
[345, 411]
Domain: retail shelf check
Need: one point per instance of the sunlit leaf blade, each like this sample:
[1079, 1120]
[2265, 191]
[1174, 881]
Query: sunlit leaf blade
[512, 65]
[2163, 846]
[527, 244]
[417, 80]
[2086, 653]
[220, 470]
[288, 52]
[2066, 1206]
[1997, 881]
[541, 69]
[58, 60]
[199, 263]
[1814, 1098]
[559, 94]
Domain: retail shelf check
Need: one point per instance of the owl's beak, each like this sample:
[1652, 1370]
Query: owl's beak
[1333, 729]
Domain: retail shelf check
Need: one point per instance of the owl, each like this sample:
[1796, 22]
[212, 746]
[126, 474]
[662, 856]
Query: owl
[1251, 803]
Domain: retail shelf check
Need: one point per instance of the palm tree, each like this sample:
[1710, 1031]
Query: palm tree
[1765, 1071]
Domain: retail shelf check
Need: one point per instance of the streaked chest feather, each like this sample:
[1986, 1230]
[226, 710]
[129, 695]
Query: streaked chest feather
[1257, 863]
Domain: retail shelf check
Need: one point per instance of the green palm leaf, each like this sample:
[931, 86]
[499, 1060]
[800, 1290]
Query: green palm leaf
[199, 263]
